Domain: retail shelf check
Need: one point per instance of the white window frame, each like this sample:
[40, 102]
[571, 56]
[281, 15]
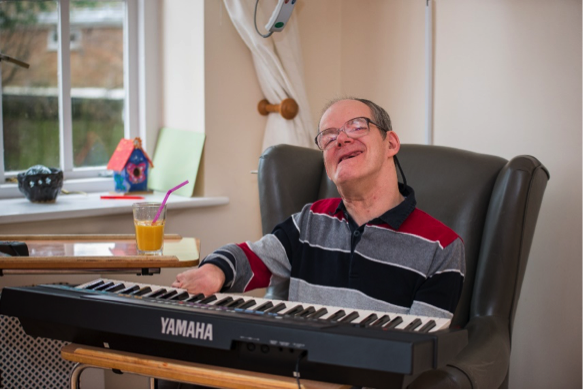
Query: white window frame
[140, 113]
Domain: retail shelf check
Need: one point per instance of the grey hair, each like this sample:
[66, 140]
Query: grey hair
[380, 117]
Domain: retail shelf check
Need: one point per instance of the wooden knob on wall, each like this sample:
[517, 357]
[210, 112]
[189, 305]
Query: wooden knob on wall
[288, 108]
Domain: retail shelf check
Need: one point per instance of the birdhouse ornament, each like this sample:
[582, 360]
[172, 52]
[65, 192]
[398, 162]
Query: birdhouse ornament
[130, 165]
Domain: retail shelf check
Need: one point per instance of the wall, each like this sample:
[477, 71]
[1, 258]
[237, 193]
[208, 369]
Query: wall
[508, 82]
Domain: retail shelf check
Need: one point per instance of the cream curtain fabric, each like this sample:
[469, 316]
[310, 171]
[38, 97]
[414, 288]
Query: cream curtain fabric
[279, 65]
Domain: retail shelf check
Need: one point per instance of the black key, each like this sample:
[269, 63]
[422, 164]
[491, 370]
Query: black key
[224, 301]
[143, 291]
[181, 296]
[104, 286]
[277, 308]
[368, 320]
[396, 321]
[235, 303]
[381, 321]
[318, 314]
[208, 299]
[427, 327]
[336, 316]
[168, 295]
[115, 287]
[195, 298]
[130, 290]
[294, 310]
[93, 285]
[414, 324]
[246, 305]
[350, 317]
[157, 293]
[306, 312]
[264, 306]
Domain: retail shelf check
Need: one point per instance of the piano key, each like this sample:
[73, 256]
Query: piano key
[92, 286]
[235, 303]
[350, 317]
[413, 324]
[277, 308]
[319, 313]
[223, 302]
[264, 306]
[156, 293]
[104, 286]
[180, 296]
[130, 290]
[381, 321]
[195, 298]
[393, 323]
[208, 299]
[142, 291]
[115, 288]
[248, 304]
[336, 316]
[368, 320]
[294, 310]
[168, 294]
[306, 312]
[427, 327]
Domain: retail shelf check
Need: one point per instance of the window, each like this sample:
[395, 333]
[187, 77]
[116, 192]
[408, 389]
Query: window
[71, 107]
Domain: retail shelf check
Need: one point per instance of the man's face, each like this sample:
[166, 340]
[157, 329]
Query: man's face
[355, 161]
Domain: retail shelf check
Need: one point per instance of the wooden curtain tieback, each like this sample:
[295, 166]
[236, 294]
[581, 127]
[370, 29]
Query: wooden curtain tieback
[288, 108]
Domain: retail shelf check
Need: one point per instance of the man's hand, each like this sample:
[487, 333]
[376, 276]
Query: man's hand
[207, 279]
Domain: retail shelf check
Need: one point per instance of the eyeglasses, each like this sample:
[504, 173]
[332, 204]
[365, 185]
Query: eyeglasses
[354, 128]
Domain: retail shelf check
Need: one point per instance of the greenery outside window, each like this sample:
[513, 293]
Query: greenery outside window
[71, 107]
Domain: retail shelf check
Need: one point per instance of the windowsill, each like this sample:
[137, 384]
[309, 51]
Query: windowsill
[76, 206]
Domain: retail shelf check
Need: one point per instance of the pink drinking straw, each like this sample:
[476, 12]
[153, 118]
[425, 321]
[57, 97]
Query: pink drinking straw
[166, 198]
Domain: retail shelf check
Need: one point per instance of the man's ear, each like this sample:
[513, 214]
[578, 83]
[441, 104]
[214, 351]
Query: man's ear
[394, 143]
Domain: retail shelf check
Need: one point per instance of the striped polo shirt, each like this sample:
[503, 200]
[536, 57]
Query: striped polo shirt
[404, 261]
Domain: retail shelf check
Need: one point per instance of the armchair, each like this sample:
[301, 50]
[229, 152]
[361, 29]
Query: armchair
[492, 203]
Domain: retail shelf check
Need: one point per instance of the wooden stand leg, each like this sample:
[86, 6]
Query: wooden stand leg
[76, 374]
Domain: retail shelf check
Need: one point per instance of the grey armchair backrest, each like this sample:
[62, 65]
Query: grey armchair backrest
[492, 203]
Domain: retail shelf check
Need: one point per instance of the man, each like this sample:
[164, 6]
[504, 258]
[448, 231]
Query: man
[370, 249]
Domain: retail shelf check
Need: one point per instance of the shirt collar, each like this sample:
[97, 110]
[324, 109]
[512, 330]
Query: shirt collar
[395, 216]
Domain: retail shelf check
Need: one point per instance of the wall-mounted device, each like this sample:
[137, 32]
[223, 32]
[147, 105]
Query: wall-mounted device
[279, 17]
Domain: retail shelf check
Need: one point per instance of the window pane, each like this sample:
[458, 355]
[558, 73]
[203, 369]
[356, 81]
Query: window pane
[96, 80]
[29, 96]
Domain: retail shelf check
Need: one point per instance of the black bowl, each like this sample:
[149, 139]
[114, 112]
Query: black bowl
[41, 184]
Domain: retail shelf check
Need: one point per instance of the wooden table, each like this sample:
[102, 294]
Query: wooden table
[179, 371]
[100, 253]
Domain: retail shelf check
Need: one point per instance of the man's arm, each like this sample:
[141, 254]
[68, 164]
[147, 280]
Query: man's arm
[243, 267]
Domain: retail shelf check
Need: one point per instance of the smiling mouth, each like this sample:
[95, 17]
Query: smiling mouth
[349, 156]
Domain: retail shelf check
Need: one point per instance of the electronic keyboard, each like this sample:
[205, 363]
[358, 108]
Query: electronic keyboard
[325, 343]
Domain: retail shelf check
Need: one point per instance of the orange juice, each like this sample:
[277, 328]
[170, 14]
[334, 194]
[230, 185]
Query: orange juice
[149, 237]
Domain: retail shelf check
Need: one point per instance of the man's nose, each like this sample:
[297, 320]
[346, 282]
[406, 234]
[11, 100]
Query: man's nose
[342, 138]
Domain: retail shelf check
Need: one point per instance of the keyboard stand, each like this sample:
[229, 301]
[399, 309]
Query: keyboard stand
[178, 371]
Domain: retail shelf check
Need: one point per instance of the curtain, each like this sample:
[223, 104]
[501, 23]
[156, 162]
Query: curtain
[279, 66]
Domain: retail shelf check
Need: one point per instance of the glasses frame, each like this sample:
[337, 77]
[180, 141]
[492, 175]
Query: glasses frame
[343, 129]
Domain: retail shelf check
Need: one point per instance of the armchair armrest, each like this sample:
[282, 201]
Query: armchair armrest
[482, 364]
